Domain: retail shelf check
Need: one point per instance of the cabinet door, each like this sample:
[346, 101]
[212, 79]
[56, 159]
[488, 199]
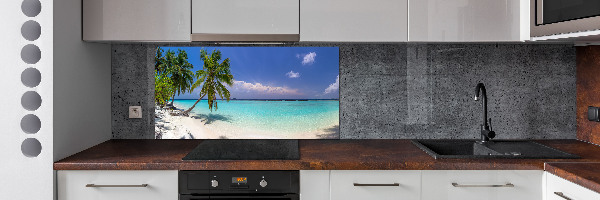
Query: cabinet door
[245, 16]
[482, 184]
[375, 185]
[468, 20]
[117, 185]
[354, 20]
[314, 185]
[561, 189]
[136, 20]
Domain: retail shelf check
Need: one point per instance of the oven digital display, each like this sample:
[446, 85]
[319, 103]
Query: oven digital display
[239, 180]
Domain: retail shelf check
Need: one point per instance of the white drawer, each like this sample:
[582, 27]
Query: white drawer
[479, 184]
[568, 189]
[162, 185]
[343, 185]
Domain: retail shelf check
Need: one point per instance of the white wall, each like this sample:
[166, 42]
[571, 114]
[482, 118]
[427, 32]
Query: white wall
[24, 177]
[74, 88]
[82, 84]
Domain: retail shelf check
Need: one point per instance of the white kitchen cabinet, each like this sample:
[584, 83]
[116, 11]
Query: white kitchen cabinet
[354, 20]
[117, 185]
[378, 184]
[244, 20]
[482, 184]
[561, 189]
[314, 184]
[468, 20]
[136, 20]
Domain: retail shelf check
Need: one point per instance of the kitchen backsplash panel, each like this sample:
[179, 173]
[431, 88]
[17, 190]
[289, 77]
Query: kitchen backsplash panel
[404, 91]
[588, 85]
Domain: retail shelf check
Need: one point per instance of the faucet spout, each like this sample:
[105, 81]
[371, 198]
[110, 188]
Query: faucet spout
[481, 88]
[486, 132]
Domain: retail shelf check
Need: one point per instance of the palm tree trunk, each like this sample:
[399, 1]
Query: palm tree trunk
[172, 99]
[190, 109]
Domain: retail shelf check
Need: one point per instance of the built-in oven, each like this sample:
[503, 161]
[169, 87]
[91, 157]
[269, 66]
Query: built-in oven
[234, 185]
[553, 17]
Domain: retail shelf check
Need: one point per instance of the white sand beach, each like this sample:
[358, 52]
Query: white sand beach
[168, 126]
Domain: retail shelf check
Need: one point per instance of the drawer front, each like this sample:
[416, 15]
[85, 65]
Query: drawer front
[482, 184]
[377, 185]
[161, 185]
[314, 185]
[566, 189]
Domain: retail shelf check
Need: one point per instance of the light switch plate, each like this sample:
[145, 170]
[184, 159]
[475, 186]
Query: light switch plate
[135, 112]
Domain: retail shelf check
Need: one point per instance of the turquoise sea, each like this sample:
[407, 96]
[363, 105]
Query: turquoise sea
[284, 117]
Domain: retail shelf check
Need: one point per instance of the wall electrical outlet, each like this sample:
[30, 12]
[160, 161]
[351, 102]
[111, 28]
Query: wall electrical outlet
[135, 112]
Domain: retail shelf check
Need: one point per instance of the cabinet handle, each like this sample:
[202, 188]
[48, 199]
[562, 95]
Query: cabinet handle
[361, 184]
[94, 185]
[505, 185]
[560, 194]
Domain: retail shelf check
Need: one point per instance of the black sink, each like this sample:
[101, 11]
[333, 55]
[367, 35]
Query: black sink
[492, 149]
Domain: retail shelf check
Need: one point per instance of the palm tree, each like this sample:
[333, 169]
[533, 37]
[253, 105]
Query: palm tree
[181, 72]
[164, 63]
[177, 68]
[159, 61]
[212, 76]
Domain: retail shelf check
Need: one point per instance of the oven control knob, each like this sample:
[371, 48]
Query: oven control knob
[214, 183]
[263, 183]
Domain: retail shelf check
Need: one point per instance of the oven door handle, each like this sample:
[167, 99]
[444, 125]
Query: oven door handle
[251, 197]
[191, 197]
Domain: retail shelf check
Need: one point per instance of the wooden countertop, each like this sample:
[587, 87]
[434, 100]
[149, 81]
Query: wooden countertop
[314, 155]
[581, 173]
[332, 155]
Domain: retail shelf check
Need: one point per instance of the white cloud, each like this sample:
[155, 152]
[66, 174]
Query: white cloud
[309, 58]
[293, 74]
[334, 86]
[258, 87]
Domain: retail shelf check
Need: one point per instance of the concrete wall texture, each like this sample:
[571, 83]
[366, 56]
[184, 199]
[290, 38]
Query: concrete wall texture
[406, 91]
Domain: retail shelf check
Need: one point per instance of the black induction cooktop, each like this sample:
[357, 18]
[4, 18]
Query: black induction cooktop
[228, 149]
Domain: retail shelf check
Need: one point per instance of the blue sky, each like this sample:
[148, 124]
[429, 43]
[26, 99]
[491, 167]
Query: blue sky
[276, 72]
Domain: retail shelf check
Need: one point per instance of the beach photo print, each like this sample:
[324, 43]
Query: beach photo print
[246, 93]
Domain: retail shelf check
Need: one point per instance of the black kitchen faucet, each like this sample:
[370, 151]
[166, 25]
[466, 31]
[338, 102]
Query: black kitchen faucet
[486, 129]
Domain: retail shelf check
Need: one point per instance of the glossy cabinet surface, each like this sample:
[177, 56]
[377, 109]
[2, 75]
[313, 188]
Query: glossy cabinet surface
[379, 184]
[482, 184]
[468, 20]
[245, 17]
[136, 20]
[560, 189]
[354, 20]
[161, 185]
[314, 184]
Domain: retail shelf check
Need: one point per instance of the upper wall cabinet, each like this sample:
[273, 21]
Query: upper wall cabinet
[136, 20]
[468, 20]
[245, 20]
[353, 20]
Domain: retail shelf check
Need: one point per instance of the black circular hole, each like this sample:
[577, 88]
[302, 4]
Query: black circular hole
[31, 30]
[31, 8]
[31, 54]
[31, 100]
[31, 77]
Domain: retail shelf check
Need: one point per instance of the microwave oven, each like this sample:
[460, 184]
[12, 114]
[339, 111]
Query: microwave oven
[556, 17]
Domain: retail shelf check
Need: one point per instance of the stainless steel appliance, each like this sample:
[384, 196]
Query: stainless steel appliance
[234, 185]
[553, 17]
